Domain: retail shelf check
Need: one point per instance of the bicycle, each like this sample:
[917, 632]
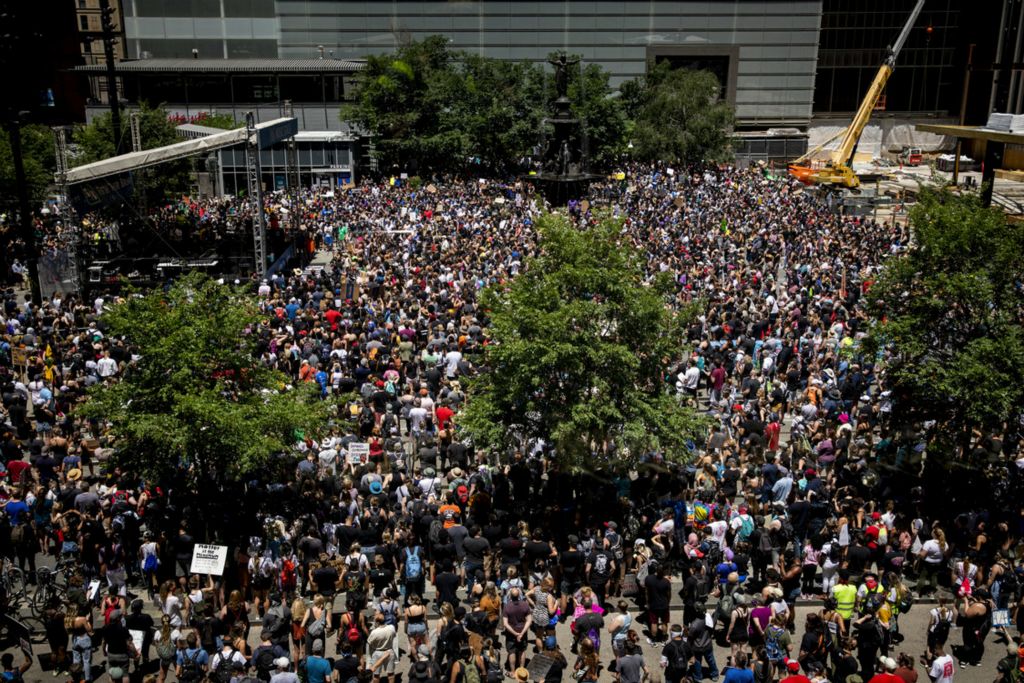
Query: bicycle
[13, 579]
[47, 591]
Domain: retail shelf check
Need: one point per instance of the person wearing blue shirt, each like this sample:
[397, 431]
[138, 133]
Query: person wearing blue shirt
[15, 508]
[739, 672]
[193, 661]
[318, 669]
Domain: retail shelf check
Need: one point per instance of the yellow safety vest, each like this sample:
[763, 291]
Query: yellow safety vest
[846, 598]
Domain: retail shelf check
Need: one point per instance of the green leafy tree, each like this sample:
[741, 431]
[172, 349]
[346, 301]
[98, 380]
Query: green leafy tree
[95, 141]
[499, 107]
[401, 98]
[581, 348]
[949, 314]
[218, 120]
[37, 152]
[196, 406]
[678, 116]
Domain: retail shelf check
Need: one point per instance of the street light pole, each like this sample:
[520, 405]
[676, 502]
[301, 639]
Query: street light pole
[106, 12]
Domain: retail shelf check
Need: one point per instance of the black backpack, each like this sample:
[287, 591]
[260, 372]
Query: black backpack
[264, 658]
[190, 670]
[226, 669]
[680, 656]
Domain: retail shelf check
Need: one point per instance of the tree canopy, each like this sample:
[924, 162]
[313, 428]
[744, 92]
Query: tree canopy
[433, 109]
[95, 141]
[678, 116]
[196, 405]
[949, 320]
[37, 152]
[581, 348]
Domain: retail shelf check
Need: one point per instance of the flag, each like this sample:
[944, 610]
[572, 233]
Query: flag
[342, 232]
[724, 227]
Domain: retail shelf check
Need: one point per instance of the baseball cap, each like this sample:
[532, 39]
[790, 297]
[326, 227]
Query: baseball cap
[550, 642]
[793, 665]
[375, 487]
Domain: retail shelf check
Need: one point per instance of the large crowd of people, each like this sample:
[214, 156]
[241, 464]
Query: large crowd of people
[440, 562]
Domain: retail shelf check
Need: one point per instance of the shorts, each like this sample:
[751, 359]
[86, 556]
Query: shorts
[658, 616]
[512, 644]
[386, 669]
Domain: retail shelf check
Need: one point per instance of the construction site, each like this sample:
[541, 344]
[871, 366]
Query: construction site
[873, 176]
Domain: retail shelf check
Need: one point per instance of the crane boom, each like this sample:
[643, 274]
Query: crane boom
[844, 153]
[839, 169]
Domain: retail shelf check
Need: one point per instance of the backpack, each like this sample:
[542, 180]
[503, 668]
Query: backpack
[723, 611]
[764, 544]
[700, 596]
[494, 673]
[904, 601]
[190, 671]
[390, 613]
[352, 632]
[1009, 583]
[746, 527]
[680, 659]
[264, 661]
[772, 647]
[166, 649]
[316, 627]
[225, 671]
[470, 674]
[436, 528]
[941, 631]
[413, 563]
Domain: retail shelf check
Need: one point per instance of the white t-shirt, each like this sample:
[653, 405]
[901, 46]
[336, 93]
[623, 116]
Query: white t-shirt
[718, 529]
[933, 551]
[416, 418]
[107, 367]
[451, 360]
[942, 669]
[328, 457]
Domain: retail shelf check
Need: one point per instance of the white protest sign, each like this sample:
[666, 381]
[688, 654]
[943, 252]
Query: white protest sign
[137, 638]
[209, 559]
[358, 453]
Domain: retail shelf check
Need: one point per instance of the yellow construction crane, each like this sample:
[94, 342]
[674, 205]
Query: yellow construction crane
[837, 170]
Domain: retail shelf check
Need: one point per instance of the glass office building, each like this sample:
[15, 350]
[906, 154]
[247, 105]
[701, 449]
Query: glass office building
[765, 53]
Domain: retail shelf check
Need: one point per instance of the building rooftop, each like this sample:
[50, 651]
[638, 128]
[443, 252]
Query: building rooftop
[231, 66]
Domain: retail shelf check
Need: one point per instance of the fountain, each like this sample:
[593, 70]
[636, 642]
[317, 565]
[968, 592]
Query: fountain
[564, 174]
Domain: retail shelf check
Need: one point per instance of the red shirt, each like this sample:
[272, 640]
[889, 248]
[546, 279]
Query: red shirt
[14, 470]
[796, 678]
[332, 317]
[444, 414]
[885, 678]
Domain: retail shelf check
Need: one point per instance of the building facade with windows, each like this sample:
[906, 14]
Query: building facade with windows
[763, 52]
[790, 67]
